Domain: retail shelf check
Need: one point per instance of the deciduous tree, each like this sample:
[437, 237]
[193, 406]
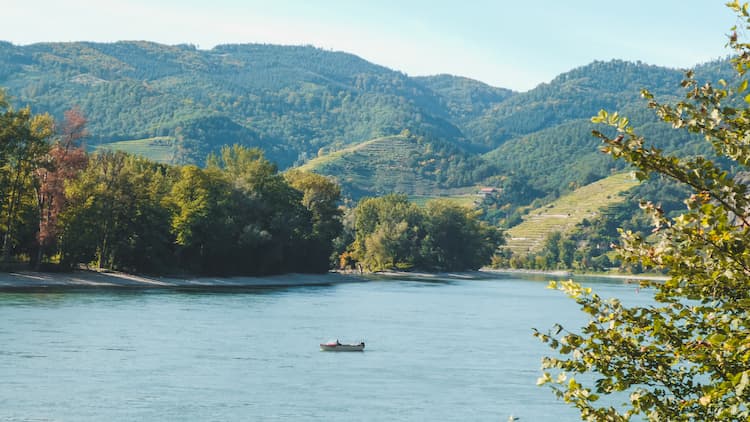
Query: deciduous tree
[115, 217]
[66, 158]
[23, 144]
[320, 196]
[687, 357]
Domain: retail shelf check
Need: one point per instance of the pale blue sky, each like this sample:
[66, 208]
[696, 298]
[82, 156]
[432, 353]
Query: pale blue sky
[512, 44]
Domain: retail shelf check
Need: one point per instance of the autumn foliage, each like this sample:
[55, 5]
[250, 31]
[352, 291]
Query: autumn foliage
[66, 158]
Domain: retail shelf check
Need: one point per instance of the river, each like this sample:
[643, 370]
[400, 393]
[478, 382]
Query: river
[443, 350]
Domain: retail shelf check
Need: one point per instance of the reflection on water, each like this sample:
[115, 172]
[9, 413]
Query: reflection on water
[448, 349]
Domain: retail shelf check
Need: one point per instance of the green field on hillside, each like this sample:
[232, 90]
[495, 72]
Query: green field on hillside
[379, 166]
[563, 214]
[464, 200]
[158, 148]
[321, 161]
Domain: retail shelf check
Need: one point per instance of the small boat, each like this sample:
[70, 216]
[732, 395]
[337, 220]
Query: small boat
[336, 346]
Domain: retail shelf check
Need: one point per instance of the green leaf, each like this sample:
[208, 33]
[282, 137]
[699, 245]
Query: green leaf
[742, 384]
[716, 339]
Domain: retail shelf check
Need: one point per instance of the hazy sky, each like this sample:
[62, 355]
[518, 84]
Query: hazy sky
[514, 44]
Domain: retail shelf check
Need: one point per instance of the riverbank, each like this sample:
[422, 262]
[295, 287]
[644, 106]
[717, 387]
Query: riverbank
[86, 279]
[419, 275]
[571, 274]
[31, 280]
[555, 273]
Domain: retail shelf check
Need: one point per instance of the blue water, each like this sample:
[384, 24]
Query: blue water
[452, 350]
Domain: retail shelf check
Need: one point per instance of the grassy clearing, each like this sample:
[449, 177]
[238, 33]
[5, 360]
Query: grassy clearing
[563, 214]
[464, 200]
[159, 148]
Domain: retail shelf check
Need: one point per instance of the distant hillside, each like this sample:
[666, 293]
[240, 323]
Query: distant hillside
[403, 164]
[578, 94]
[562, 215]
[466, 100]
[294, 100]
[177, 104]
[374, 167]
[545, 134]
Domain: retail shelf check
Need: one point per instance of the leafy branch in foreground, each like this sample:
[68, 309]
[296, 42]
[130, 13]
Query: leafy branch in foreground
[687, 357]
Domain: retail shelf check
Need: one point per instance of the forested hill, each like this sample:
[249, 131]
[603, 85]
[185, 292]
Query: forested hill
[291, 101]
[544, 135]
[177, 103]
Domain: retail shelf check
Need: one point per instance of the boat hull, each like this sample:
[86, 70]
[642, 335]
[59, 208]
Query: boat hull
[342, 347]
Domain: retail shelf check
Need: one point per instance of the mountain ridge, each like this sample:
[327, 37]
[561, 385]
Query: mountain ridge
[301, 102]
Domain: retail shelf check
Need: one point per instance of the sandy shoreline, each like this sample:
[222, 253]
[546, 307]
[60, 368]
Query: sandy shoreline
[21, 280]
[570, 274]
[31, 280]
[551, 273]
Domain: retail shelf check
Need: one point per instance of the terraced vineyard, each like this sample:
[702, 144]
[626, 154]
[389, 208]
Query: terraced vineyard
[563, 214]
[320, 162]
[157, 148]
[377, 167]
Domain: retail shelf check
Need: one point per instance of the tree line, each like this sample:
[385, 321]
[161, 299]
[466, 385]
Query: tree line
[391, 232]
[64, 207]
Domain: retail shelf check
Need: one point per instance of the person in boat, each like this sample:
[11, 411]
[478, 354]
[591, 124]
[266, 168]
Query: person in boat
[338, 343]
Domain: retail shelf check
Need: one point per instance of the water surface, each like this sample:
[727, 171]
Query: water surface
[447, 350]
